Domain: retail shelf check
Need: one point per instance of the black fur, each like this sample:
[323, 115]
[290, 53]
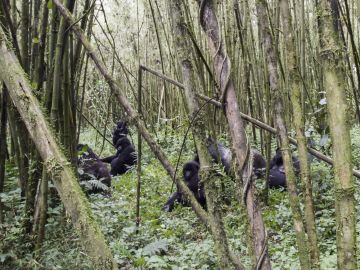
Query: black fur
[92, 168]
[124, 159]
[259, 163]
[120, 145]
[217, 149]
[277, 177]
[191, 178]
[120, 131]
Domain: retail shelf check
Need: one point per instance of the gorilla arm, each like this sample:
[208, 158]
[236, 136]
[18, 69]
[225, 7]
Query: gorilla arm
[108, 159]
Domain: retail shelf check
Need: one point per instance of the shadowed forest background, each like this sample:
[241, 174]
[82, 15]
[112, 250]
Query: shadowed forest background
[179, 134]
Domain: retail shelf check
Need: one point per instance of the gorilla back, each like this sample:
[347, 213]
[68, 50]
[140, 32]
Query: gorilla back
[216, 149]
[220, 153]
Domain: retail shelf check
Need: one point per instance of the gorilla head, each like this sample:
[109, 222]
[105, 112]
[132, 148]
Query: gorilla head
[190, 171]
[277, 177]
[121, 125]
[120, 131]
[192, 180]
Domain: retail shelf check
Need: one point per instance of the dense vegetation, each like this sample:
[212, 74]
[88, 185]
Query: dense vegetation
[278, 76]
[174, 240]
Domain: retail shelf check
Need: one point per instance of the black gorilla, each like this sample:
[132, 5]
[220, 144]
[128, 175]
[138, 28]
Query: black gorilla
[91, 168]
[277, 177]
[191, 177]
[217, 149]
[124, 158]
[120, 131]
[259, 163]
[119, 146]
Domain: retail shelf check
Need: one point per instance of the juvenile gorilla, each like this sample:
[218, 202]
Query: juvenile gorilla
[91, 168]
[191, 178]
[277, 177]
[124, 158]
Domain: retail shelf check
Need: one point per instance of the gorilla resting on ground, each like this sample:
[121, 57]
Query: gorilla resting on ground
[259, 163]
[277, 177]
[91, 168]
[191, 178]
[124, 158]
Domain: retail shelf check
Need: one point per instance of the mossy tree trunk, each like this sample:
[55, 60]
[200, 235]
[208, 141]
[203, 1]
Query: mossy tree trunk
[59, 168]
[299, 123]
[335, 85]
[271, 62]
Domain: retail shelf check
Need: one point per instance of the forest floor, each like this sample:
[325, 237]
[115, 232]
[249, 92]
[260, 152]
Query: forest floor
[175, 240]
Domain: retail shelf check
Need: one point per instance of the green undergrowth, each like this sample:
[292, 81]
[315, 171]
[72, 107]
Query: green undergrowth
[175, 240]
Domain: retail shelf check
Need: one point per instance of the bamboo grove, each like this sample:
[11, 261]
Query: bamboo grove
[264, 72]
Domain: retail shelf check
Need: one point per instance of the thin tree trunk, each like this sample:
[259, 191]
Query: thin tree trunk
[51, 56]
[199, 128]
[164, 93]
[9, 24]
[59, 52]
[35, 175]
[210, 26]
[40, 71]
[25, 27]
[271, 62]
[299, 123]
[335, 85]
[43, 207]
[3, 143]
